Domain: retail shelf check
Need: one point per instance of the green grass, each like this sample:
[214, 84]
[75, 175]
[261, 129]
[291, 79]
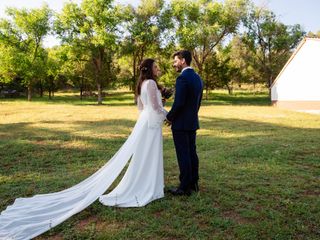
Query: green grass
[259, 168]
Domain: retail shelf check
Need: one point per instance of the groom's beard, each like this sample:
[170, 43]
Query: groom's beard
[178, 68]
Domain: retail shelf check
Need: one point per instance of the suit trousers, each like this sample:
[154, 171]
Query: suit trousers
[188, 161]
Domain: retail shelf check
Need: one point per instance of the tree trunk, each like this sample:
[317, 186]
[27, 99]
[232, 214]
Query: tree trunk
[99, 94]
[81, 88]
[229, 89]
[134, 80]
[270, 80]
[269, 90]
[51, 87]
[98, 61]
[41, 90]
[99, 88]
[29, 92]
[207, 91]
[50, 94]
[206, 77]
[81, 93]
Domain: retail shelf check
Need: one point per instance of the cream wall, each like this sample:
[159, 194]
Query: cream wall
[300, 79]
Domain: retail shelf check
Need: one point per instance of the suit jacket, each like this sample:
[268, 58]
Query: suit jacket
[187, 101]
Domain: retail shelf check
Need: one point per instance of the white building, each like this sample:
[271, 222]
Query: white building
[298, 84]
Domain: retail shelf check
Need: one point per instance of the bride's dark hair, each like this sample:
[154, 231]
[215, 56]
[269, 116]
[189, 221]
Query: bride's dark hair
[146, 72]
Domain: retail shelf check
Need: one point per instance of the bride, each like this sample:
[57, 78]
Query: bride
[142, 182]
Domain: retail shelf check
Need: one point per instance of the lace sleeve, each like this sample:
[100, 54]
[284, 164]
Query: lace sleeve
[139, 103]
[154, 101]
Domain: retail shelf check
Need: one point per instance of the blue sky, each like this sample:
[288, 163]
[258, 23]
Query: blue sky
[304, 12]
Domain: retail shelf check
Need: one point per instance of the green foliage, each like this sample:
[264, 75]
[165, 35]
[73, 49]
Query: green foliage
[7, 68]
[93, 28]
[21, 37]
[220, 71]
[244, 61]
[103, 43]
[269, 41]
[203, 25]
[146, 35]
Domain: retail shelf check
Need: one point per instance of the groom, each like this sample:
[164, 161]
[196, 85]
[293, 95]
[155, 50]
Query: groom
[184, 121]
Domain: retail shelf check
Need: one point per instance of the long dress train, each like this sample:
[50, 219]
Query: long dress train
[142, 183]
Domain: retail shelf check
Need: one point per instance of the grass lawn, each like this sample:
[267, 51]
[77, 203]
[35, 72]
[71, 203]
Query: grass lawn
[259, 168]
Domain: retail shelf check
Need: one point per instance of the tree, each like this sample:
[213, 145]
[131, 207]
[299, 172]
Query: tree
[94, 26]
[203, 24]
[7, 71]
[23, 34]
[219, 70]
[77, 67]
[145, 27]
[313, 35]
[54, 78]
[40, 71]
[270, 41]
[242, 59]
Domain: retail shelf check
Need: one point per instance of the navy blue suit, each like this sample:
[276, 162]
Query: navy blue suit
[185, 122]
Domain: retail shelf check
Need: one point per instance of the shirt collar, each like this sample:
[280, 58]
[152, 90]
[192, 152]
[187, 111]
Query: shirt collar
[186, 68]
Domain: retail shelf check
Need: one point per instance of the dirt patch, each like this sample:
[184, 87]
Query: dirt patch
[311, 193]
[82, 224]
[108, 226]
[236, 217]
[55, 237]
[158, 214]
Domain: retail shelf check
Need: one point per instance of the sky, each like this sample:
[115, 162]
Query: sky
[303, 12]
[290, 12]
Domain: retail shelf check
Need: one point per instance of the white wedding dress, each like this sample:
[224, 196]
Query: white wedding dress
[142, 182]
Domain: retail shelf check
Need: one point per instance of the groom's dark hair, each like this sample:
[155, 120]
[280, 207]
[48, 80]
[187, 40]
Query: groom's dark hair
[184, 54]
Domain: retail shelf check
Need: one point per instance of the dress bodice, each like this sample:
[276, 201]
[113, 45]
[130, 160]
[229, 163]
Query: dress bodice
[150, 101]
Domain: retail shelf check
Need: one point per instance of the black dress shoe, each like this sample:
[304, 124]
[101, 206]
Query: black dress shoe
[179, 192]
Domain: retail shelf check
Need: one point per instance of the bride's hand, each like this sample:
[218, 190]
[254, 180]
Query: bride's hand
[163, 101]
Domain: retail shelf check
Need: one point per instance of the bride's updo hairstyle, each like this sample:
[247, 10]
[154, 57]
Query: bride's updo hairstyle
[145, 73]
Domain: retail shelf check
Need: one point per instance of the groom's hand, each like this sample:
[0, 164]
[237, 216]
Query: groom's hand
[167, 122]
